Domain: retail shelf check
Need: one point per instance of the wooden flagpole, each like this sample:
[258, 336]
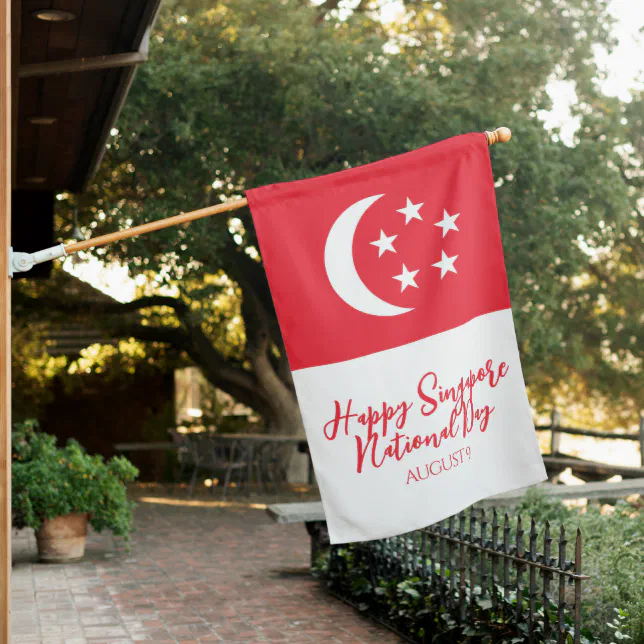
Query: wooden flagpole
[5, 322]
[501, 135]
[155, 225]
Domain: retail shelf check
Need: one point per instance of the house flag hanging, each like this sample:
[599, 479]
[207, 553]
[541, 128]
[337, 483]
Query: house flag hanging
[390, 289]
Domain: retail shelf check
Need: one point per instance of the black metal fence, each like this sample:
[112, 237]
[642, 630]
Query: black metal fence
[477, 564]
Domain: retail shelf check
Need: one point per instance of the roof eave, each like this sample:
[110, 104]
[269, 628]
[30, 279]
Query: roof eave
[141, 45]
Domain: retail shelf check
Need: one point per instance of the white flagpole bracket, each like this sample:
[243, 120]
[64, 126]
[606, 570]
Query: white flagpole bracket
[23, 262]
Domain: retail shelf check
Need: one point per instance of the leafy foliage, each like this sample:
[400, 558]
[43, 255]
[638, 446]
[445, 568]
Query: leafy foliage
[251, 92]
[413, 606]
[613, 557]
[37, 375]
[32, 368]
[612, 607]
[49, 482]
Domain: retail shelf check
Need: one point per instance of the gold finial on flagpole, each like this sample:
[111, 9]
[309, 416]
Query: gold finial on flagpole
[500, 135]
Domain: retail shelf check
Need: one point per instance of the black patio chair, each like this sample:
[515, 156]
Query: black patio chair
[274, 461]
[203, 453]
[226, 457]
[187, 454]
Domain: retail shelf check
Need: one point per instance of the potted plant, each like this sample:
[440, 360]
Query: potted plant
[57, 491]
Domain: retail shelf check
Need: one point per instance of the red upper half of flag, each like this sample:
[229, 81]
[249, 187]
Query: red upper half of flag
[379, 256]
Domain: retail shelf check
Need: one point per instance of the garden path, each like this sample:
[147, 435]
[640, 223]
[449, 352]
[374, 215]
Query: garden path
[194, 574]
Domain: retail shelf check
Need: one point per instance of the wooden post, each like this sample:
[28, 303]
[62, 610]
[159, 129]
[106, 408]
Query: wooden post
[555, 437]
[5, 322]
[642, 439]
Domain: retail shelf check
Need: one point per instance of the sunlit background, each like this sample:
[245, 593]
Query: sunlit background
[623, 73]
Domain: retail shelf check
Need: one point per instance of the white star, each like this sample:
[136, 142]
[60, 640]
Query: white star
[384, 243]
[446, 264]
[448, 222]
[411, 211]
[406, 278]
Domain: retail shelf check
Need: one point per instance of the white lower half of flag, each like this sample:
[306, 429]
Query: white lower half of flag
[406, 437]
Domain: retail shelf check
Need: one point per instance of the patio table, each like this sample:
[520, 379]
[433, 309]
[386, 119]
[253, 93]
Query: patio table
[252, 444]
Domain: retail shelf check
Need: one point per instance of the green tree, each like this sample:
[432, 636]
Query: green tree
[250, 92]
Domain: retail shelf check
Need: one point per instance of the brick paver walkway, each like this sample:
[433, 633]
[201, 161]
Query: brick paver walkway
[195, 574]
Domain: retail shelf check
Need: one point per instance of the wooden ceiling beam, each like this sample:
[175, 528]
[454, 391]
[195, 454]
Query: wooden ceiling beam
[72, 65]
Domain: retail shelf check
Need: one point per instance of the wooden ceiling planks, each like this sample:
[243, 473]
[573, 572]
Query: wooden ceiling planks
[53, 101]
[81, 102]
[28, 105]
[35, 33]
[62, 45]
[63, 36]
[33, 47]
[68, 97]
[85, 87]
[135, 22]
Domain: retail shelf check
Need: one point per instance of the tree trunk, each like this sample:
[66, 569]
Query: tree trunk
[282, 400]
[287, 418]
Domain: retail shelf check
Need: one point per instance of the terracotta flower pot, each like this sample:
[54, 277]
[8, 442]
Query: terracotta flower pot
[62, 539]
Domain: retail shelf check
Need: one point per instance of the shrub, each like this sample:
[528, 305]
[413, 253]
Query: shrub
[415, 607]
[50, 481]
[613, 557]
[612, 600]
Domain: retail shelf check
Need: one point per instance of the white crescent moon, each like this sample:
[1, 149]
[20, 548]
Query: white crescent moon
[341, 269]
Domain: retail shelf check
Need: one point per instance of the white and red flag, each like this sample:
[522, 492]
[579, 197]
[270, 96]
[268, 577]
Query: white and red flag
[391, 294]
